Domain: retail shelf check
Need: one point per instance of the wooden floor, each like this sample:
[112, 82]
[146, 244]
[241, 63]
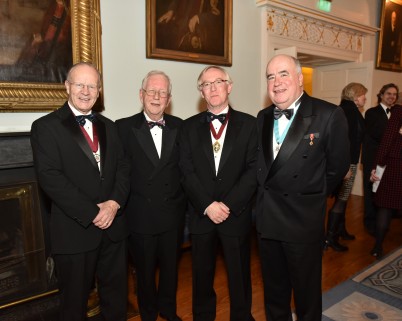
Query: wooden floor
[337, 267]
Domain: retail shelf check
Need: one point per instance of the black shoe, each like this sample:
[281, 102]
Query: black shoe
[376, 252]
[335, 245]
[172, 318]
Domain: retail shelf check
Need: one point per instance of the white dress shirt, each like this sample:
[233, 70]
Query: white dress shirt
[282, 124]
[217, 126]
[385, 110]
[89, 129]
[156, 133]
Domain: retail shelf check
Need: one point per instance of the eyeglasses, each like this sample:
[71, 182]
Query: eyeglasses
[207, 85]
[153, 92]
[79, 86]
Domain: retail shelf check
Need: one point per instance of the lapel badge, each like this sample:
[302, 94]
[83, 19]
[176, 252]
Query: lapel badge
[311, 139]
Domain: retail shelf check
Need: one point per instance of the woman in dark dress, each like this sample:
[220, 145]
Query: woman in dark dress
[353, 97]
[388, 197]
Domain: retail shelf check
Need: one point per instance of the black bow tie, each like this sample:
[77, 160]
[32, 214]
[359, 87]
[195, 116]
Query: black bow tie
[279, 112]
[388, 110]
[220, 117]
[81, 119]
[160, 123]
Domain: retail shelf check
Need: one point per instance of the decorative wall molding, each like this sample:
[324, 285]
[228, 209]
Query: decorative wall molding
[301, 28]
[303, 11]
[312, 32]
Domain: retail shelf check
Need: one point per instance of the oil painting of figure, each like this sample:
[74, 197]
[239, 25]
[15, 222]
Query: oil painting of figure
[195, 26]
[35, 40]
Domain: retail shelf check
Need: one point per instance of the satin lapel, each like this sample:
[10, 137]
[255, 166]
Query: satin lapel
[168, 139]
[300, 125]
[146, 142]
[382, 114]
[234, 127]
[68, 121]
[266, 140]
[204, 133]
[101, 130]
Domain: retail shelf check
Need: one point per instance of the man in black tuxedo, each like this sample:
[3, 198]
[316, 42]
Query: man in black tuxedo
[81, 166]
[376, 120]
[218, 154]
[303, 154]
[156, 206]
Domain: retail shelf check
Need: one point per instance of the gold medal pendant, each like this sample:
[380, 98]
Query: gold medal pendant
[97, 157]
[216, 146]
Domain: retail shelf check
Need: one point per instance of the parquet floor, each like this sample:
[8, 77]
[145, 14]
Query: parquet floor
[337, 267]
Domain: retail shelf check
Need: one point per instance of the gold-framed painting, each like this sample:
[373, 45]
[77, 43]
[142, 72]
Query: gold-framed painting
[45, 37]
[389, 53]
[198, 31]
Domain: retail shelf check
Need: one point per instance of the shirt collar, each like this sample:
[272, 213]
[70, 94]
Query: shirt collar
[149, 119]
[224, 111]
[295, 105]
[76, 112]
[384, 107]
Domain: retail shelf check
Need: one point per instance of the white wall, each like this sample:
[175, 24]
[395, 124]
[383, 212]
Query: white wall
[125, 65]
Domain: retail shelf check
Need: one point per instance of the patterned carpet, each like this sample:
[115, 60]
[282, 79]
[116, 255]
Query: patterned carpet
[373, 294]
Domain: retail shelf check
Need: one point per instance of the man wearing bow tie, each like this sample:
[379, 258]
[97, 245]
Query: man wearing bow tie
[218, 154]
[156, 206]
[376, 120]
[81, 166]
[303, 155]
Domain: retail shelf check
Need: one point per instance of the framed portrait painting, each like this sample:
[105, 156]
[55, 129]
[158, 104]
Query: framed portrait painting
[389, 53]
[39, 41]
[197, 31]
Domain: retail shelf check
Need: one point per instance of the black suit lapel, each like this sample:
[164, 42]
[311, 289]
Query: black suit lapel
[69, 122]
[204, 133]
[266, 140]
[144, 138]
[101, 130]
[234, 127]
[168, 139]
[382, 114]
[300, 125]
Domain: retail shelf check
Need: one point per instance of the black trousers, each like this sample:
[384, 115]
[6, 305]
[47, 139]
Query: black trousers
[288, 267]
[150, 252]
[76, 274]
[370, 210]
[236, 251]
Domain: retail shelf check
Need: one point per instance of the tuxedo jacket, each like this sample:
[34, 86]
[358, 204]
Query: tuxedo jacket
[69, 175]
[235, 182]
[375, 120]
[293, 187]
[157, 202]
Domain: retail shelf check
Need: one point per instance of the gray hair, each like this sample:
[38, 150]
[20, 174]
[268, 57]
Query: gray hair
[156, 72]
[227, 76]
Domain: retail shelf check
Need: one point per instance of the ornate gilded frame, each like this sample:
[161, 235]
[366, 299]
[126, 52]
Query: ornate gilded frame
[189, 56]
[86, 34]
[387, 7]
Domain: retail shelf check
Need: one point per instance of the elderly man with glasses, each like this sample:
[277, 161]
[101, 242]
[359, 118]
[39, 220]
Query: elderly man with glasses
[218, 154]
[156, 206]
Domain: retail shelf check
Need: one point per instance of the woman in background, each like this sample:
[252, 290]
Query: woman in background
[388, 196]
[353, 97]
